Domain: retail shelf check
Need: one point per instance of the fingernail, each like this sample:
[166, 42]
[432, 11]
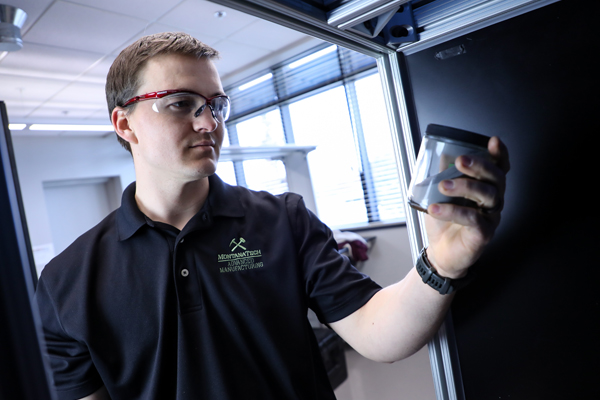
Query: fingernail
[447, 184]
[434, 209]
[467, 161]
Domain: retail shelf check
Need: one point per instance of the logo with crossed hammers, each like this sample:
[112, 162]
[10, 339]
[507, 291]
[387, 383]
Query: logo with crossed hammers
[237, 244]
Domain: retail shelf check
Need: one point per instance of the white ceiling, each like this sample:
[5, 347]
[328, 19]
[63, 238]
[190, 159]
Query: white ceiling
[59, 74]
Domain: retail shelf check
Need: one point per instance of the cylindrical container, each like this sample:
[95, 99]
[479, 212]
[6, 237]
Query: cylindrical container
[439, 149]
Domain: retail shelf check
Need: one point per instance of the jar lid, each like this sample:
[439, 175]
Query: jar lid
[457, 134]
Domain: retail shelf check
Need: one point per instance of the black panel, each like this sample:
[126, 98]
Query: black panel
[22, 372]
[529, 326]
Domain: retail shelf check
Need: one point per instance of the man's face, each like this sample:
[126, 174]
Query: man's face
[180, 149]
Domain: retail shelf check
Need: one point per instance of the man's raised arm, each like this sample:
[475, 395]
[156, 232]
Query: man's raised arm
[403, 317]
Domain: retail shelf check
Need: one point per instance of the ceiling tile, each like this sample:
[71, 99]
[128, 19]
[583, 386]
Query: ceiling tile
[198, 16]
[158, 28]
[86, 93]
[233, 52]
[266, 35]
[50, 59]
[148, 10]
[32, 89]
[68, 39]
[79, 27]
[58, 113]
[100, 69]
[17, 111]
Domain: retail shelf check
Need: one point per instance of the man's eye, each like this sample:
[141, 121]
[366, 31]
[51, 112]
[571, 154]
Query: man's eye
[181, 104]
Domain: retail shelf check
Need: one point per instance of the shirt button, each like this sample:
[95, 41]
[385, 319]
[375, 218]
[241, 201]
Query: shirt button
[181, 241]
[204, 217]
[185, 272]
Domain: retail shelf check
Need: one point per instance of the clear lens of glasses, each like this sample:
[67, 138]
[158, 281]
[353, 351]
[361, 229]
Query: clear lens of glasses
[183, 104]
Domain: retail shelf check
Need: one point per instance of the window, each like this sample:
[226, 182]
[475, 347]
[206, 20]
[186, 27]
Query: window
[226, 172]
[262, 130]
[330, 97]
[379, 150]
[266, 175]
[323, 120]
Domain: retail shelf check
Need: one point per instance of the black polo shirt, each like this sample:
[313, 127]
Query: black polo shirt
[215, 311]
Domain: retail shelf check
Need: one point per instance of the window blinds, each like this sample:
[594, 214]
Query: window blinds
[376, 190]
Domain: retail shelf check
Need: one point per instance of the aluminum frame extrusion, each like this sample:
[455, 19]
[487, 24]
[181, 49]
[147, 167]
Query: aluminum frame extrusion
[279, 13]
[358, 8]
[443, 20]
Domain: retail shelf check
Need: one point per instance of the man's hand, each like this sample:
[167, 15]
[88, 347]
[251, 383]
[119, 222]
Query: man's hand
[457, 235]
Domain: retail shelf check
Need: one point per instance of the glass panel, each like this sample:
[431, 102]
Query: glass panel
[263, 130]
[310, 72]
[226, 172]
[266, 175]
[225, 137]
[323, 120]
[352, 61]
[252, 95]
[380, 149]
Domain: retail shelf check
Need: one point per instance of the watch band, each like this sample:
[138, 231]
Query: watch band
[430, 276]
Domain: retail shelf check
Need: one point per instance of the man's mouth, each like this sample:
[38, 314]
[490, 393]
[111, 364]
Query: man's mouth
[204, 143]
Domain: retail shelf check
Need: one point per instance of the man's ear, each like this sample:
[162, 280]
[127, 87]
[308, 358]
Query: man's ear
[121, 123]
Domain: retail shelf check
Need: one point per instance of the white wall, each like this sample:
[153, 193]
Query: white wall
[389, 261]
[43, 159]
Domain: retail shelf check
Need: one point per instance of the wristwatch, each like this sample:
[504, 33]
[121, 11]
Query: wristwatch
[433, 279]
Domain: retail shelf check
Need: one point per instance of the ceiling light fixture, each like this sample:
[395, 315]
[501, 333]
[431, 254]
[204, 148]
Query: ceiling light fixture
[82, 128]
[220, 14]
[11, 22]
[17, 127]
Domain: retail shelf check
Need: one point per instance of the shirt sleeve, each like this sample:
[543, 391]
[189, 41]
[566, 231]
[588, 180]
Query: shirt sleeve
[335, 288]
[73, 371]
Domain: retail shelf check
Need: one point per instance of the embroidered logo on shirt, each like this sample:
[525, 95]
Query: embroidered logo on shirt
[237, 244]
[240, 260]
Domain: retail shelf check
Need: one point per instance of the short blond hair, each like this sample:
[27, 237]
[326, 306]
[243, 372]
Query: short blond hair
[123, 79]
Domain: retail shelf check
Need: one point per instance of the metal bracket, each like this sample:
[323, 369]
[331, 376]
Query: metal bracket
[370, 22]
[401, 28]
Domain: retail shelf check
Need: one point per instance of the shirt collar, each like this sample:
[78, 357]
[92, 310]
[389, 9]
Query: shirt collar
[223, 200]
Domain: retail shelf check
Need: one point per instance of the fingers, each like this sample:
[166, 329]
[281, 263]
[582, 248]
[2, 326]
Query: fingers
[481, 169]
[499, 152]
[482, 193]
[466, 216]
[489, 183]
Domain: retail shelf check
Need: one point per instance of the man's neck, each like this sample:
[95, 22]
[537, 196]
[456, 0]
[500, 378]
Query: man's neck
[172, 203]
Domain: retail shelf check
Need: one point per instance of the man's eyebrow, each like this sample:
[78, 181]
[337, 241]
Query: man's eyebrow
[219, 93]
[182, 89]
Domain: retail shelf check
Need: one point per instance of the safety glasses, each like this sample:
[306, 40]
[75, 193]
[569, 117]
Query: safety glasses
[182, 104]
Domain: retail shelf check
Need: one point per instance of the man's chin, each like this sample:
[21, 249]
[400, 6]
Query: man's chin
[203, 171]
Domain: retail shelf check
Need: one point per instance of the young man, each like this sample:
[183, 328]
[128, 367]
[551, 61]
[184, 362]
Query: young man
[194, 289]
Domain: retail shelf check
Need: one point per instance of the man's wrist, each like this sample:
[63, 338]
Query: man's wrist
[430, 255]
[431, 277]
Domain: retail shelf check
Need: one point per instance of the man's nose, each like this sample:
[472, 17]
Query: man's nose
[203, 119]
